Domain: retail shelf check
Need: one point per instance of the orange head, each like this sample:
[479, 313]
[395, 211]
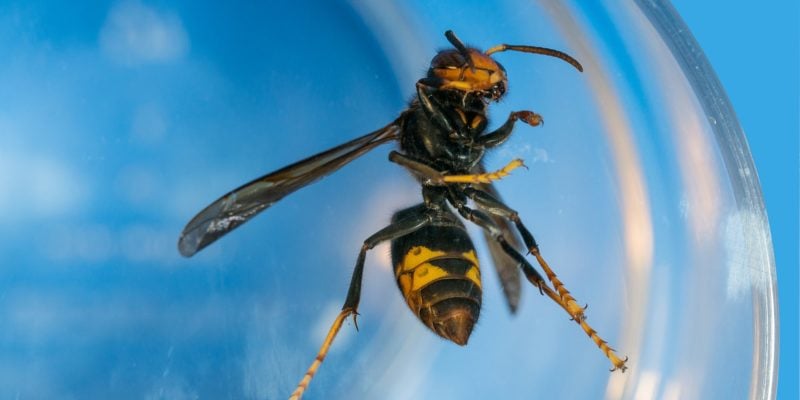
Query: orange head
[471, 71]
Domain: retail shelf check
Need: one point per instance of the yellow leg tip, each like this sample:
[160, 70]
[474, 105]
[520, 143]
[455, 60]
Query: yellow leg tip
[618, 363]
[514, 164]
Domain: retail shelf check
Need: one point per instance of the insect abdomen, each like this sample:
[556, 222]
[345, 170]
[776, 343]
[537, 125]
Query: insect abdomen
[438, 274]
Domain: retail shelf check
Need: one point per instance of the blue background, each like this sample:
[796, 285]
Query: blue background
[125, 144]
[754, 51]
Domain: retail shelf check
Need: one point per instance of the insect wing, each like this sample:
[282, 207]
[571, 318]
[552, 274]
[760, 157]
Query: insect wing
[242, 204]
[507, 269]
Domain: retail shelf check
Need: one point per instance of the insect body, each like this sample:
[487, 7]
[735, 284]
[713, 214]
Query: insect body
[442, 138]
[437, 272]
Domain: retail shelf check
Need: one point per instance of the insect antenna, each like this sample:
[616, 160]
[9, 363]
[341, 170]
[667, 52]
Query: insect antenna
[536, 50]
[459, 45]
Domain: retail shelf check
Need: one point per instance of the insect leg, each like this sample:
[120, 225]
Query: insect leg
[496, 207]
[618, 363]
[428, 174]
[485, 222]
[485, 177]
[350, 307]
[424, 92]
[432, 177]
[502, 133]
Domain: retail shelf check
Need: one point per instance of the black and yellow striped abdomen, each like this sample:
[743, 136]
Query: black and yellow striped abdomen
[438, 273]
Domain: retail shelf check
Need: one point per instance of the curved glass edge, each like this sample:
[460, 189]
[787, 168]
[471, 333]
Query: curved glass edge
[743, 179]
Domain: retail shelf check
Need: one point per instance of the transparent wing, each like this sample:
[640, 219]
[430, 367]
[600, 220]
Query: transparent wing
[242, 204]
[507, 269]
